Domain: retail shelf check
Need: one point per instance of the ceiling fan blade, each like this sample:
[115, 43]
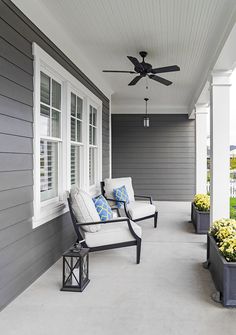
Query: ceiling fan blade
[171, 68]
[136, 63]
[135, 80]
[117, 71]
[160, 80]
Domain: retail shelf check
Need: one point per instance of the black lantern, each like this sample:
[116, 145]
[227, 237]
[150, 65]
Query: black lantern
[146, 117]
[75, 269]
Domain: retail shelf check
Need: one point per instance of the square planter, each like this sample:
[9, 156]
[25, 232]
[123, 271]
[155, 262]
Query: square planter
[201, 220]
[223, 274]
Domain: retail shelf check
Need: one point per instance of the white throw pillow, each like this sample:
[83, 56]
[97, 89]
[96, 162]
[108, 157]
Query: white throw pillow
[84, 209]
[111, 184]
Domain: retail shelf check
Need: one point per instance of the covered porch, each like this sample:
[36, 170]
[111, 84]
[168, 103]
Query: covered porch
[65, 123]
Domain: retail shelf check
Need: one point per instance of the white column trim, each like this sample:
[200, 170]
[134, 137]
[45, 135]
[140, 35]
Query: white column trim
[220, 142]
[201, 112]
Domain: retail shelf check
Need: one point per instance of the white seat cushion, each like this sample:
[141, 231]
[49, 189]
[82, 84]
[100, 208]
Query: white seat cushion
[138, 209]
[111, 184]
[111, 233]
[84, 209]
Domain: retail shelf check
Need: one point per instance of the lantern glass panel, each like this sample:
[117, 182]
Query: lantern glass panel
[85, 267]
[72, 271]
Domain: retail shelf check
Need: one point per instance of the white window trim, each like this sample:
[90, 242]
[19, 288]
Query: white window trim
[98, 175]
[73, 89]
[53, 209]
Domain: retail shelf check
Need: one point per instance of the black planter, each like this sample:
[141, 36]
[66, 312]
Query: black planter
[223, 274]
[201, 220]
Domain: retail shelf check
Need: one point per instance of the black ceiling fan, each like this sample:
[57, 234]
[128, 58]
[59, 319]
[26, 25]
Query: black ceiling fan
[145, 69]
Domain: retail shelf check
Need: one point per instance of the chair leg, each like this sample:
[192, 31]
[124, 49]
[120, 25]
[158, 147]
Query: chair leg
[155, 219]
[138, 251]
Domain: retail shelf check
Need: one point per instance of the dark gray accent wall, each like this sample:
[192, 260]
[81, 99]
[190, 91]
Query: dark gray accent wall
[160, 159]
[26, 253]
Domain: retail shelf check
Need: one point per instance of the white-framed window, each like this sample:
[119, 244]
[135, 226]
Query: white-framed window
[67, 137]
[77, 129]
[50, 136]
[93, 145]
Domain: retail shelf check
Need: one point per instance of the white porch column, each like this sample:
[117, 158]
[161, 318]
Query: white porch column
[201, 112]
[220, 127]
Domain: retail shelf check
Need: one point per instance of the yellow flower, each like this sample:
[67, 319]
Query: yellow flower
[202, 202]
[228, 248]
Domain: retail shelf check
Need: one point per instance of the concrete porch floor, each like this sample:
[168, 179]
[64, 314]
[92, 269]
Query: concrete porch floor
[168, 293]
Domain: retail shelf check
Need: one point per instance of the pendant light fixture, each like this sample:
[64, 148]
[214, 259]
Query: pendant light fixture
[146, 117]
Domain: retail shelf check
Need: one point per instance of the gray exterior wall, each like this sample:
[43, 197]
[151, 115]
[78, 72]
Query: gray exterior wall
[160, 159]
[26, 253]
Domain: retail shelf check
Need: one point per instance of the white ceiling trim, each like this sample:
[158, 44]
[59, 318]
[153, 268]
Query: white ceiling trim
[140, 109]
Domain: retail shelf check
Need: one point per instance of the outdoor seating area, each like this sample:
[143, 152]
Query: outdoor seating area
[168, 287]
[108, 233]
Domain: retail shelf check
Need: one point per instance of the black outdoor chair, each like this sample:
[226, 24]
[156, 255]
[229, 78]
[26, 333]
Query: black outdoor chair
[82, 235]
[135, 210]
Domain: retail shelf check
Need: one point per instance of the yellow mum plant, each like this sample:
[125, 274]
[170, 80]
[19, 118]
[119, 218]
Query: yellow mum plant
[222, 229]
[202, 202]
[224, 232]
[228, 248]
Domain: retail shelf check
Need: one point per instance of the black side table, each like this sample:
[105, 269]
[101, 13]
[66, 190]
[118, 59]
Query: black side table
[75, 269]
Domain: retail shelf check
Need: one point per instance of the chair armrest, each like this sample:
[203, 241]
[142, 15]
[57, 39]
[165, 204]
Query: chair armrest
[136, 237]
[115, 208]
[144, 197]
[109, 199]
[101, 222]
[125, 208]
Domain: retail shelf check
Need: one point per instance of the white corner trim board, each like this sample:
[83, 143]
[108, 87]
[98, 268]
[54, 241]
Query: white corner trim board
[219, 154]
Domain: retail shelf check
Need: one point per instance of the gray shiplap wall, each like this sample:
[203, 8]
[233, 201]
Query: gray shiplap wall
[26, 253]
[161, 159]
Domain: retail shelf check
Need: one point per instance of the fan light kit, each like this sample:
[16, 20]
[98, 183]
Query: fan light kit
[146, 117]
[144, 69]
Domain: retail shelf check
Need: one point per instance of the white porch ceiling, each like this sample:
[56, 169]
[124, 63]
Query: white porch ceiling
[190, 33]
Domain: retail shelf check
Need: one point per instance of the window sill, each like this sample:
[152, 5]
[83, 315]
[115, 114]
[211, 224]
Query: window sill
[49, 212]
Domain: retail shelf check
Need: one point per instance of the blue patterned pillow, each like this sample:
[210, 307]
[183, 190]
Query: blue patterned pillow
[120, 193]
[103, 208]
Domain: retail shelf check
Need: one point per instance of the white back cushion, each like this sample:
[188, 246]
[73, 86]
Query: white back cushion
[84, 209]
[111, 184]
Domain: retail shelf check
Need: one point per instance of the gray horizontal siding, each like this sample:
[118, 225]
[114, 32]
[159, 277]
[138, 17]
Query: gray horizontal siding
[10, 89]
[15, 179]
[15, 161]
[15, 196]
[13, 126]
[11, 216]
[26, 253]
[15, 56]
[16, 74]
[15, 38]
[160, 159]
[15, 109]
[15, 144]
